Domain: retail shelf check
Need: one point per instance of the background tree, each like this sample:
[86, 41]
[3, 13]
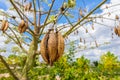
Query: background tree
[33, 21]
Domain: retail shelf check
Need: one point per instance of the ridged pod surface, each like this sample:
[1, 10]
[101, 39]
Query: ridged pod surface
[61, 44]
[21, 25]
[118, 29]
[25, 27]
[52, 47]
[44, 48]
[5, 25]
[115, 30]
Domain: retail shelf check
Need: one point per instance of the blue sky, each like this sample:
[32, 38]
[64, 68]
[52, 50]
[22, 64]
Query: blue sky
[101, 33]
[89, 4]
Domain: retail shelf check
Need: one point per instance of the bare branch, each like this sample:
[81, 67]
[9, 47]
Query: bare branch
[69, 31]
[8, 68]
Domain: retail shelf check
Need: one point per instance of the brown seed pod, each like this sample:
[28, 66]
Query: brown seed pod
[116, 31]
[44, 48]
[61, 44]
[21, 25]
[24, 28]
[117, 17]
[52, 47]
[25, 7]
[29, 6]
[6, 26]
[3, 24]
[81, 13]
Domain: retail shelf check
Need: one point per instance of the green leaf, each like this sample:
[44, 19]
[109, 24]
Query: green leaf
[7, 41]
[15, 49]
[71, 3]
[51, 18]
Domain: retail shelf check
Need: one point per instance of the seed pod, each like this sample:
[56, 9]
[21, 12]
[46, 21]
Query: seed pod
[81, 13]
[118, 29]
[52, 47]
[25, 7]
[21, 25]
[6, 26]
[117, 17]
[29, 6]
[24, 28]
[115, 30]
[3, 24]
[44, 48]
[61, 44]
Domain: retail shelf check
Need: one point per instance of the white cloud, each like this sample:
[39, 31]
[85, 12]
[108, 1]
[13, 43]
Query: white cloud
[102, 34]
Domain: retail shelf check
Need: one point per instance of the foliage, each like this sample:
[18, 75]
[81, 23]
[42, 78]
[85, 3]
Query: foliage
[68, 68]
[108, 67]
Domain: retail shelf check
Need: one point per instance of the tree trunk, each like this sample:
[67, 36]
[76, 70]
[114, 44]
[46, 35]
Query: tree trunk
[30, 58]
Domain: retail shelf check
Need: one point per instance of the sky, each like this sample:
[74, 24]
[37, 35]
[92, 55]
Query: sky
[101, 34]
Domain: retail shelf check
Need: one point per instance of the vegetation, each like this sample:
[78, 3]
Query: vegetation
[68, 68]
[26, 28]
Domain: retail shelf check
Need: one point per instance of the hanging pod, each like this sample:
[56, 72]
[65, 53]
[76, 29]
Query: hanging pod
[118, 29]
[5, 25]
[115, 30]
[28, 7]
[22, 26]
[52, 47]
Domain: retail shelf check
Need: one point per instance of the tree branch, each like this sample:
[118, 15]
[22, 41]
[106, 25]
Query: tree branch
[16, 42]
[47, 16]
[69, 31]
[8, 68]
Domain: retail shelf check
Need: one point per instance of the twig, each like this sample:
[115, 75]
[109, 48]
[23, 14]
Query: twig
[47, 16]
[8, 68]
[35, 25]
[16, 42]
[69, 31]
